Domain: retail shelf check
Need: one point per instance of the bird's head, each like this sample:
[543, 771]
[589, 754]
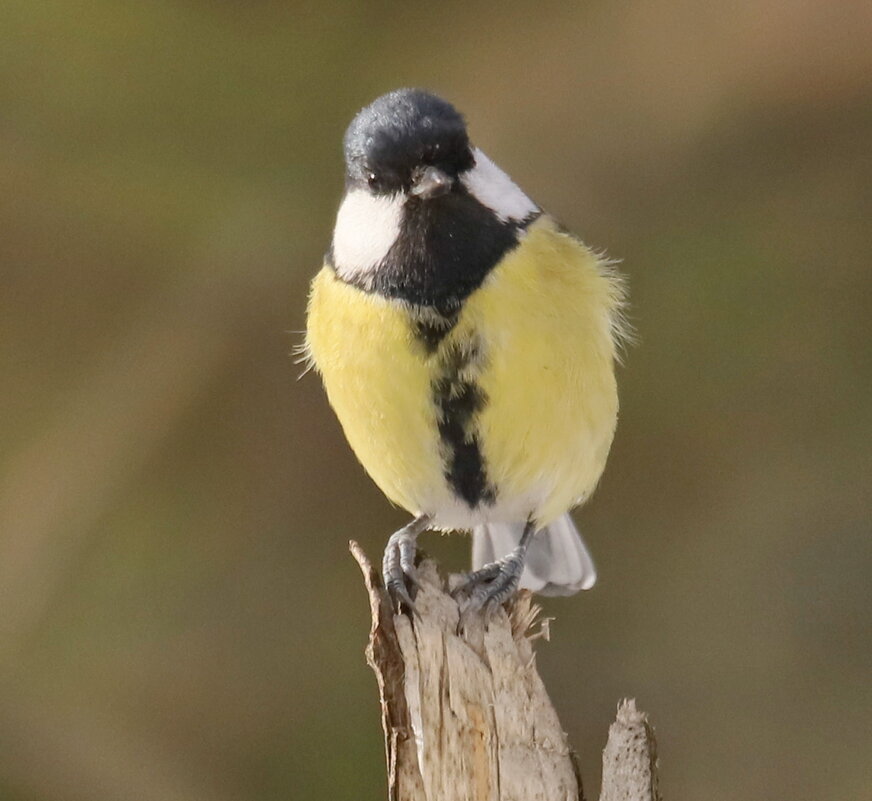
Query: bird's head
[407, 142]
[425, 214]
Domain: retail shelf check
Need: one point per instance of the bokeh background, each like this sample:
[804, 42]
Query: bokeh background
[179, 617]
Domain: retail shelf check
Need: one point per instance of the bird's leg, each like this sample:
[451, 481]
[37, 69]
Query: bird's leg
[496, 582]
[398, 563]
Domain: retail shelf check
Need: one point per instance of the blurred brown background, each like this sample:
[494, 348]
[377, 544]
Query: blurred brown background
[179, 617]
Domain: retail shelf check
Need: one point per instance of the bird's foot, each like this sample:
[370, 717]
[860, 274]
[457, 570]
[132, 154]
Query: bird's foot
[492, 585]
[398, 563]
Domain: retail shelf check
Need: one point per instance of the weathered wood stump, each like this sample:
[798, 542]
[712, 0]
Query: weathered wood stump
[465, 714]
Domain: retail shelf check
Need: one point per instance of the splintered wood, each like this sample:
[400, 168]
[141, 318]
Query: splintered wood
[465, 714]
[630, 758]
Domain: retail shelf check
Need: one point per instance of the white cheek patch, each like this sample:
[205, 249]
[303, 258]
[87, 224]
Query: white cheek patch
[366, 228]
[494, 189]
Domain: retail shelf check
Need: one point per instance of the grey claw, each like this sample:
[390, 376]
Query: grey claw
[400, 596]
[493, 584]
[412, 578]
[398, 565]
[471, 582]
[408, 552]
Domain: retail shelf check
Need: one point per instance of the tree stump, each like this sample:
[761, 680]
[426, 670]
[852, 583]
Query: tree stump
[465, 714]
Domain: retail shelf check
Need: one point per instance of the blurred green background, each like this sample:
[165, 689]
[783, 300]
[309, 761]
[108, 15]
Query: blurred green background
[179, 617]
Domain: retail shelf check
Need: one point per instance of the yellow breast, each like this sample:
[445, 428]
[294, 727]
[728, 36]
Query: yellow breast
[550, 316]
[378, 382]
[544, 325]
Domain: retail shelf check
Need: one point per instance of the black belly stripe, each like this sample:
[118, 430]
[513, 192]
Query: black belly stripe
[431, 331]
[446, 248]
[458, 400]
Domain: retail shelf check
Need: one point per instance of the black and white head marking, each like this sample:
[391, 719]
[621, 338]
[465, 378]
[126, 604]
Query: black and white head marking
[397, 134]
[425, 216]
[488, 184]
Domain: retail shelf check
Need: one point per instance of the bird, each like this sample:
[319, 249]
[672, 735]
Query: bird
[467, 343]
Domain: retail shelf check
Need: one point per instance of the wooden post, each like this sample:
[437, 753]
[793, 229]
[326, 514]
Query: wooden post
[465, 714]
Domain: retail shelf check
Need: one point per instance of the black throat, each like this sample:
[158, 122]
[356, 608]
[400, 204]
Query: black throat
[446, 247]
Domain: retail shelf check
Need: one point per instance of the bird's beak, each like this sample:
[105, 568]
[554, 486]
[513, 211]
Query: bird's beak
[431, 182]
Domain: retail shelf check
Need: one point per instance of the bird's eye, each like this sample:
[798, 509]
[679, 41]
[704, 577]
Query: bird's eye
[371, 178]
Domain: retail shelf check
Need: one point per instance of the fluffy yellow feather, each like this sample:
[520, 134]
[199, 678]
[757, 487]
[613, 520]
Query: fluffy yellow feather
[545, 324]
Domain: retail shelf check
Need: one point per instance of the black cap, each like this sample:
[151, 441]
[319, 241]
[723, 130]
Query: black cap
[400, 131]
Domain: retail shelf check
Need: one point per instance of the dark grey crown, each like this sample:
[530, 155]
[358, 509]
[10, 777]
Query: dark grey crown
[402, 130]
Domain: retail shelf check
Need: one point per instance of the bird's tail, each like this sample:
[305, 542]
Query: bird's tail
[558, 562]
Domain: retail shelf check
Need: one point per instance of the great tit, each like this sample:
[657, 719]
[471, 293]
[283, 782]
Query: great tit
[467, 343]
